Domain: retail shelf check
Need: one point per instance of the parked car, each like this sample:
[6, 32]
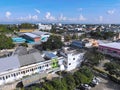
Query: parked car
[85, 87]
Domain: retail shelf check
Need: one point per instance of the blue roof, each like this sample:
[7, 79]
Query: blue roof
[50, 55]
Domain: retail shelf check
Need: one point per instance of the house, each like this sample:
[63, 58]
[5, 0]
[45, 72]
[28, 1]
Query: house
[73, 58]
[81, 44]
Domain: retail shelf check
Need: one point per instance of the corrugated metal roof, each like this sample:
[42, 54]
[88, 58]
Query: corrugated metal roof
[112, 45]
[31, 35]
[9, 63]
[39, 33]
[30, 59]
[16, 61]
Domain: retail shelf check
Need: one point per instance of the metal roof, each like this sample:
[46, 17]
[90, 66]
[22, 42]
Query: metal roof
[16, 61]
[30, 59]
[115, 45]
[31, 35]
[39, 33]
[8, 63]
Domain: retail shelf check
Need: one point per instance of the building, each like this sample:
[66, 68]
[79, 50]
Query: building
[18, 40]
[26, 30]
[43, 35]
[73, 58]
[81, 44]
[44, 27]
[112, 49]
[17, 67]
[31, 38]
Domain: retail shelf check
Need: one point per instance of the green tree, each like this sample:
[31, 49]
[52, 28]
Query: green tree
[28, 26]
[93, 57]
[74, 36]
[70, 82]
[5, 42]
[24, 44]
[113, 68]
[67, 38]
[59, 84]
[48, 86]
[53, 42]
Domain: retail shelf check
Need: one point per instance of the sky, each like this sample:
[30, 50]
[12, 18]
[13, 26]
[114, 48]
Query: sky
[69, 11]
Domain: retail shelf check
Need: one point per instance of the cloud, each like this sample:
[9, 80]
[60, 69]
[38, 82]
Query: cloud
[100, 18]
[80, 9]
[48, 16]
[8, 14]
[29, 17]
[62, 18]
[38, 11]
[82, 18]
[110, 12]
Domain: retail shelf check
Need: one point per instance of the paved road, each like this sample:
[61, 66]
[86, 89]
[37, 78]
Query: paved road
[106, 84]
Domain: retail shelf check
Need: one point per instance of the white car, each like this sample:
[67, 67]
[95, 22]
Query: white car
[85, 87]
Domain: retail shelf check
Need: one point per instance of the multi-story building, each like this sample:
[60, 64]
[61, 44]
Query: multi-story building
[112, 49]
[73, 58]
[44, 27]
[17, 66]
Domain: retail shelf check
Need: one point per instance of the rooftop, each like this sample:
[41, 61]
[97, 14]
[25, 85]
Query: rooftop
[31, 35]
[115, 45]
[39, 33]
[17, 61]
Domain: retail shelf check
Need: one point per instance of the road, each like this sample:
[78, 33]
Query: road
[106, 84]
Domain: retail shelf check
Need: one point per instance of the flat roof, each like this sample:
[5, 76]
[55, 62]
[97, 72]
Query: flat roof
[115, 45]
[31, 35]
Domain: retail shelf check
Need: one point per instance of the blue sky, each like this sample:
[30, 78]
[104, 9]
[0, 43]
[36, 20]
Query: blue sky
[74, 11]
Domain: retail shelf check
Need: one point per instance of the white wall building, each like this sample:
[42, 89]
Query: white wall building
[44, 27]
[73, 58]
[17, 67]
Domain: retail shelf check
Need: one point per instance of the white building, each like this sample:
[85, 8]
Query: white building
[44, 27]
[73, 58]
[17, 67]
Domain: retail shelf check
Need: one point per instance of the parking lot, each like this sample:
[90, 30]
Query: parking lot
[106, 84]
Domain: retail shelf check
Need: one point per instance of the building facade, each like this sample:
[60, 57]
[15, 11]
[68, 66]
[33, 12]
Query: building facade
[44, 27]
[112, 49]
[17, 67]
[72, 57]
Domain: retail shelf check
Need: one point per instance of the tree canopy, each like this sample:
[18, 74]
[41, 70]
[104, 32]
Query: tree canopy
[28, 26]
[93, 57]
[53, 42]
[5, 42]
[113, 68]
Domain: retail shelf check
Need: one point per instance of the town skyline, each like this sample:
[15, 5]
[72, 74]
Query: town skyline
[73, 11]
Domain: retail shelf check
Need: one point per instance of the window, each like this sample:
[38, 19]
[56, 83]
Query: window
[69, 63]
[3, 78]
[6, 77]
[46, 65]
[73, 58]
[14, 74]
